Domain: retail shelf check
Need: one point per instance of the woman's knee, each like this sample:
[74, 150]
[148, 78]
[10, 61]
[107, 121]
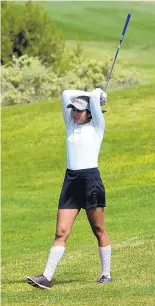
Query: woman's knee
[99, 231]
[62, 233]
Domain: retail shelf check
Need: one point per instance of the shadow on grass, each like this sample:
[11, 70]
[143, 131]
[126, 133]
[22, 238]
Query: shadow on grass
[54, 282]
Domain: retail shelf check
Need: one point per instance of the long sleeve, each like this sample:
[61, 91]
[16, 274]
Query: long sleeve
[66, 95]
[96, 112]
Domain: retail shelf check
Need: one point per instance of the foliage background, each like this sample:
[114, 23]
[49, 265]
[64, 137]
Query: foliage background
[47, 63]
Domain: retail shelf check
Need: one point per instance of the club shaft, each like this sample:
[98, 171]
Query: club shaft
[117, 51]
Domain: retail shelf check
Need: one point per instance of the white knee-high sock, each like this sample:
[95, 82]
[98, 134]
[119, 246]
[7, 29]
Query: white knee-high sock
[55, 255]
[105, 257]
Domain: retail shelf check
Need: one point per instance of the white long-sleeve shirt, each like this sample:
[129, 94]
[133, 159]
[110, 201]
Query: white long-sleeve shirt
[83, 141]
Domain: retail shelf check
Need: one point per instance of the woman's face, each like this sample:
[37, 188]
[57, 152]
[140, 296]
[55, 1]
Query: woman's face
[79, 117]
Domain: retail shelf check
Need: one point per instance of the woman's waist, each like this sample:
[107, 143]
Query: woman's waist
[85, 172]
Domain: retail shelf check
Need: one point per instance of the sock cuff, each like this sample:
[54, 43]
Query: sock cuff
[58, 248]
[107, 247]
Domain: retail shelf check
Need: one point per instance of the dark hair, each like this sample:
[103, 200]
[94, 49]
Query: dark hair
[89, 114]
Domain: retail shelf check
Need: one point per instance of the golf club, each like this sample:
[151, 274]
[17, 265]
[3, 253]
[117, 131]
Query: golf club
[116, 54]
[118, 48]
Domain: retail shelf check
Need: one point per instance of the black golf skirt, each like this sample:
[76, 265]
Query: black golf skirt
[82, 189]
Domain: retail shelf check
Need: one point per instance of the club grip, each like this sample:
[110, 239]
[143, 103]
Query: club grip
[125, 27]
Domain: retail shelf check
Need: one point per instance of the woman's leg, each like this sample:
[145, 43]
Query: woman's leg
[96, 220]
[65, 220]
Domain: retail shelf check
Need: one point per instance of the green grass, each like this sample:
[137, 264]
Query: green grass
[104, 20]
[98, 26]
[33, 159]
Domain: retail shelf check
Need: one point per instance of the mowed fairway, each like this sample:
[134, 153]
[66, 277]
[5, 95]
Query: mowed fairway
[102, 20]
[33, 167]
[98, 25]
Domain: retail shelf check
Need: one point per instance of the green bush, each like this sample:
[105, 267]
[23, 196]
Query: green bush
[28, 79]
[28, 30]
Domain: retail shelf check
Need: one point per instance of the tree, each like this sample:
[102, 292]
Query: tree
[28, 30]
[10, 26]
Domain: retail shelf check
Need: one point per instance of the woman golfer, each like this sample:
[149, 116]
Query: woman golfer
[82, 186]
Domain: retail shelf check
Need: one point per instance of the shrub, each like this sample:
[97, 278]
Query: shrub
[28, 79]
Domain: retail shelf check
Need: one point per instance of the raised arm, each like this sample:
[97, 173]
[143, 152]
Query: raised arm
[96, 112]
[66, 95]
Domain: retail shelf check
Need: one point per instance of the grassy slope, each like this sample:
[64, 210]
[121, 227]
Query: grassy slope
[103, 21]
[98, 25]
[33, 168]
